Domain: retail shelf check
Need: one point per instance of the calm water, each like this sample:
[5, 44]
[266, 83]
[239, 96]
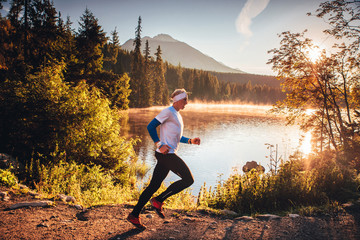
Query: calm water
[230, 136]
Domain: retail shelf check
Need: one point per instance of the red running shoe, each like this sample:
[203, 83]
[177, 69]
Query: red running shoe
[158, 207]
[136, 222]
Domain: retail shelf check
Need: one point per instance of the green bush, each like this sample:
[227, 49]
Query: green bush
[114, 86]
[44, 117]
[90, 185]
[7, 178]
[94, 185]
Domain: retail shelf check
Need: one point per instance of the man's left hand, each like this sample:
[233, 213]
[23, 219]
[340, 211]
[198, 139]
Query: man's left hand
[195, 141]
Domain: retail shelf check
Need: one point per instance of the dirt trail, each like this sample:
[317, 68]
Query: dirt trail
[63, 221]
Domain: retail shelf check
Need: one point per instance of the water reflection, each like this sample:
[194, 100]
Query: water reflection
[230, 136]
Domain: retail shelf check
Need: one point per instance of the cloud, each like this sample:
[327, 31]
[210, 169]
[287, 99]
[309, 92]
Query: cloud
[251, 9]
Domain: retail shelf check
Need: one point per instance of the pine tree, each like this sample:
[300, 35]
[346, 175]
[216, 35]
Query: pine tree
[147, 82]
[179, 78]
[67, 43]
[17, 36]
[38, 37]
[111, 51]
[89, 41]
[188, 76]
[137, 70]
[42, 44]
[14, 14]
[160, 86]
[123, 62]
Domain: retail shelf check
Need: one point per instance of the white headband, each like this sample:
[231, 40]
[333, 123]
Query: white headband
[179, 96]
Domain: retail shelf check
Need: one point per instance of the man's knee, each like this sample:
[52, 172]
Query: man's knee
[189, 181]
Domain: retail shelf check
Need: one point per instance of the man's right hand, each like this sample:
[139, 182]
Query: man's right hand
[164, 149]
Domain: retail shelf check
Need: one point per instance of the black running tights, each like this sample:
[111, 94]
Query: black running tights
[165, 163]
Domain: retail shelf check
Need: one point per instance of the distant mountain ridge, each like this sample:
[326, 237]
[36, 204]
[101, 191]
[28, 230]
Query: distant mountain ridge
[176, 52]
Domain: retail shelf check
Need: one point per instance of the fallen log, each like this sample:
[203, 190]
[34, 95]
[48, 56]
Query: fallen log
[31, 204]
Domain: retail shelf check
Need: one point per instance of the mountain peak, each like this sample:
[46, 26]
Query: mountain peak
[164, 38]
[176, 52]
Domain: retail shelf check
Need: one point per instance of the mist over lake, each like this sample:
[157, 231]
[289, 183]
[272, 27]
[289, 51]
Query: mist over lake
[230, 136]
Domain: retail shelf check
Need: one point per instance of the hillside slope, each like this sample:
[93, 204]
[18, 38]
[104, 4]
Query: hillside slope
[176, 52]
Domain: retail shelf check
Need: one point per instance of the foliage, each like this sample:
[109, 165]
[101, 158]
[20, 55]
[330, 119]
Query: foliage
[7, 178]
[327, 86]
[90, 185]
[115, 87]
[343, 18]
[49, 119]
[93, 185]
[46, 116]
[296, 185]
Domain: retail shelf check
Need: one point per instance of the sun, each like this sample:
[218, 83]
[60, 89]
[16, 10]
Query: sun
[309, 112]
[314, 54]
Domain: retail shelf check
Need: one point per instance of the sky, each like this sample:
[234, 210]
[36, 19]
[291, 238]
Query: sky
[237, 33]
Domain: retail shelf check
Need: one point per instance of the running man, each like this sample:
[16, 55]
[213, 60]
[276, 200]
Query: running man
[171, 130]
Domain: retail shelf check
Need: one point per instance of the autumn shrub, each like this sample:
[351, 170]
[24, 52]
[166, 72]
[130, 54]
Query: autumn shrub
[330, 176]
[295, 186]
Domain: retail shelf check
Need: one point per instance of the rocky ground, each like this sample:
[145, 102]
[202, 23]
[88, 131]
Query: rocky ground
[63, 221]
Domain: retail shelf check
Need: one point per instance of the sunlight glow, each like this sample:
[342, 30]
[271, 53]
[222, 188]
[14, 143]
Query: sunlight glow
[309, 112]
[306, 144]
[314, 54]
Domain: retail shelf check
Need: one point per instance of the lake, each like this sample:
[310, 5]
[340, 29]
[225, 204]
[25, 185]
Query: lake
[230, 136]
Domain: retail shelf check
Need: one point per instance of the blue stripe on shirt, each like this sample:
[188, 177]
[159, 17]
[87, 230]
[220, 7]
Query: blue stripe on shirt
[152, 129]
[184, 139]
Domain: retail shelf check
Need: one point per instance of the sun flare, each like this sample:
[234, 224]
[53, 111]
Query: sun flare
[309, 112]
[306, 144]
[314, 54]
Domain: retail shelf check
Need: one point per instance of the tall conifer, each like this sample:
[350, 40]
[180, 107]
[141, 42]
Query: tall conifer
[111, 51]
[90, 40]
[41, 44]
[160, 86]
[137, 69]
[147, 81]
